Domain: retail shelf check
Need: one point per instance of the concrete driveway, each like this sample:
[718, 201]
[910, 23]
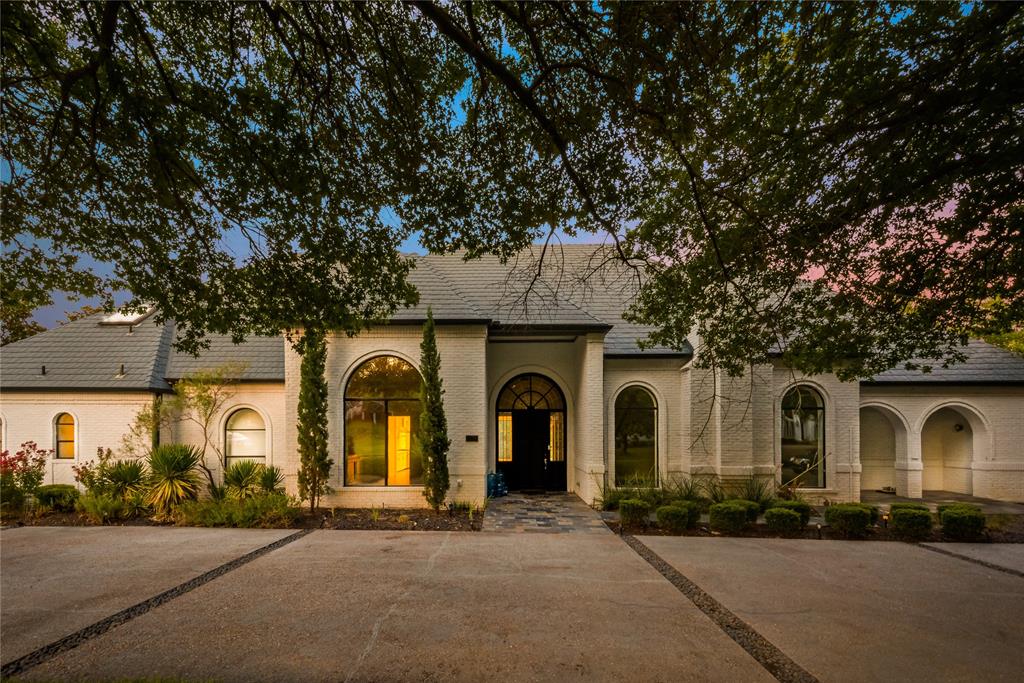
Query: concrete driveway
[340, 605]
[867, 611]
[335, 605]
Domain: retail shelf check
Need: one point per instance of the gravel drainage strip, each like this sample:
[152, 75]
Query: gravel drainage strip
[975, 560]
[774, 660]
[69, 642]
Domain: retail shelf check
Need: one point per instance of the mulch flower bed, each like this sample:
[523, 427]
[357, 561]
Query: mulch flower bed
[417, 519]
[1009, 531]
[413, 519]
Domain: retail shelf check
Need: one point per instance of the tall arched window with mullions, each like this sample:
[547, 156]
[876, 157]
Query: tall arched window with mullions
[636, 436]
[382, 424]
[803, 438]
[65, 428]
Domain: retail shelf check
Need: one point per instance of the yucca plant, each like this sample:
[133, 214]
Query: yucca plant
[126, 478]
[172, 475]
[272, 479]
[243, 478]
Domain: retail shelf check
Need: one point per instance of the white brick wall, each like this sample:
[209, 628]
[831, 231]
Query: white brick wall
[464, 372]
[266, 398]
[101, 419]
[993, 421]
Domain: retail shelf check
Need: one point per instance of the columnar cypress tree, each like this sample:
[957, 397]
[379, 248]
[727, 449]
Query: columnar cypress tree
[314, 465]
[433, 423]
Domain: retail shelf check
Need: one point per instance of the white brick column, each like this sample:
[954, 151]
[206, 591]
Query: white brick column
[588, 458]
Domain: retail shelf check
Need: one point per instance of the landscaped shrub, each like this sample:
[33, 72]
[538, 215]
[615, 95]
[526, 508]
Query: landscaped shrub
[692, 511]
[634, 512]
[960, 506]
[801, 507]
[243, 478]
[59, 497]
[21, 474]
[635, 487]
[962, 522]
[912, 524]
[784, 521]
[676, 518]
[173, 476]
[849, 519]
[760, 490]
[730, 516]
[265, 510]
[683, 488]
[272, 479]
[101, 507]
[126, 478]
[907, 506]
[714, 492]
[753, 508]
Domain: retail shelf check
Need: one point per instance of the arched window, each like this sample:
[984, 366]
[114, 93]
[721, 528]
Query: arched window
[382, 423]
[245, 436]
[65, 436]
[803, 438]
[636, 436]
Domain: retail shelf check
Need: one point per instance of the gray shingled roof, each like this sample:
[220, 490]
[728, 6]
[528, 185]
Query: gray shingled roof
[579, 289]
[985, 364]
[85, 354]
[261, 357]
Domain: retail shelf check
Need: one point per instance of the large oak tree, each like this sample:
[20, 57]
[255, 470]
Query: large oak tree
[839, 183]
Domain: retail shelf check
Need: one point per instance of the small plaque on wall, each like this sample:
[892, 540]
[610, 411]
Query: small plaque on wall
[472, 437]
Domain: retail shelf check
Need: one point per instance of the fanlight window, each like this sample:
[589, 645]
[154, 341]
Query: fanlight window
[532, 392]
[246, 436]
[636, 437]
[803, 438]
[65, 426]
[382, 423]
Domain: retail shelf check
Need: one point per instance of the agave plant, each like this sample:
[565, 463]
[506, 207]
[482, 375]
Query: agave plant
[243, 478]
[272, 479]
[172, 475]
[126, 478]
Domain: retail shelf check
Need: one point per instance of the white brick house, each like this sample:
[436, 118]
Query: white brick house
[546, 384]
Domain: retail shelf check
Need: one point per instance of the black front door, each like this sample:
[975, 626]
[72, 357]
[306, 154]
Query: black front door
[531, 437]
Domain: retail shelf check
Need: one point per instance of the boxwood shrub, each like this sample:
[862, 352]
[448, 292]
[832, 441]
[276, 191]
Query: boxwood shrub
[912, 524]
[753, 508]
[673, 518]
[801, 507]
[59, 497]
[907, 506]
[962, 523]
[692, 508]
[784, 520]
[849, 519]
[634, 512]
[960, 506]
[729, 516]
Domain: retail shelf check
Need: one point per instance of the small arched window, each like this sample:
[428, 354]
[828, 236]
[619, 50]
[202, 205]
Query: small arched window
[245, 436]
[636, 437]
[803, 438]
[382, 424]
[65, 426]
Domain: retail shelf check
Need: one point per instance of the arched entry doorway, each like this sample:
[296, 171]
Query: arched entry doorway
[948, 443]
[530, 426]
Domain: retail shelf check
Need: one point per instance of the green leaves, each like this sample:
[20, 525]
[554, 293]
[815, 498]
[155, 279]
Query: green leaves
[433, 422]
[835, 183]
[314, 464]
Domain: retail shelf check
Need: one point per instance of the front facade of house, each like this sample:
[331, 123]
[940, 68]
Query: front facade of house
[546, 383]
